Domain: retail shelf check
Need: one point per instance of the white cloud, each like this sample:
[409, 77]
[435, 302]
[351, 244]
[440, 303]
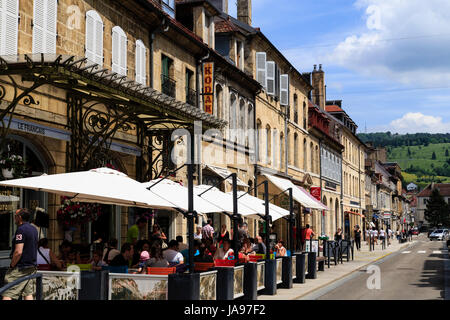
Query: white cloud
[406, 41]
[414, 122]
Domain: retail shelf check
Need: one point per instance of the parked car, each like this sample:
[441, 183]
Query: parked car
[439, 234]
[430, 231]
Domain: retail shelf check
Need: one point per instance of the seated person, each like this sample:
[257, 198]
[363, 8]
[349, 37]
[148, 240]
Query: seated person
[144, 257]
[157, 259]
[172, 255]
[96, 261]
[182, 246]
[280, 249]
[110, 251]
[185, 252]
[259, 247]
[225, 251]
[210, 247]
[123, 259]
[203, 257]
[46, 256]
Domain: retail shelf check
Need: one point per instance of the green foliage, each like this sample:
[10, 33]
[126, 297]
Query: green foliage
[433, 156]
[437, 211]
[384, 139]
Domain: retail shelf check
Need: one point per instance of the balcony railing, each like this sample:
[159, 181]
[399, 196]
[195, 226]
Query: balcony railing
[168, 86]
[191, 97]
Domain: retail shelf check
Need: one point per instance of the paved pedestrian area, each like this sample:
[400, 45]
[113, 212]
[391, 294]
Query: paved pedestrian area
[362, 258]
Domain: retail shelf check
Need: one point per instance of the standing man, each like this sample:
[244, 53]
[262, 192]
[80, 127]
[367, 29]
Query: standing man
[23, 257]
[208, 231]
[133, 232]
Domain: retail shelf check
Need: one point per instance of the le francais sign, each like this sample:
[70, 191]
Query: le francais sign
[208, 85]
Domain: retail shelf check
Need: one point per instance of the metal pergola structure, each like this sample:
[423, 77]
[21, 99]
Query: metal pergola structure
[100, 104]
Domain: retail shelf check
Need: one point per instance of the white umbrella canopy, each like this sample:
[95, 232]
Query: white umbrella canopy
[275, 211]
[179, 196]
[223, 200]
[102, 185]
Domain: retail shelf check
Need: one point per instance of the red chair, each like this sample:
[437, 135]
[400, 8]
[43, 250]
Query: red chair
[44, 267]
[203, 266]
[161, 271]
[224, 263]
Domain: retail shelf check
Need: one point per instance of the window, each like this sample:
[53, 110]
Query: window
[305, 115]
[282, 153]
[119, 51]
[209, 31]
[169, 7]
[305, 155]
[270, 77]
[167, 82]
[240, 55]
[44, 26]
[261, 68]
[284, 90]
[141, 63]
[242, 125]
[219, 102]
[9, 26]
[191, 94]
[268, 143]
[233, 117]
[296, 150]
[259, 139]
[295, 108]
[94, 37]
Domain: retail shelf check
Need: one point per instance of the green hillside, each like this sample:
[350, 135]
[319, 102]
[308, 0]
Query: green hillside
[423, 157]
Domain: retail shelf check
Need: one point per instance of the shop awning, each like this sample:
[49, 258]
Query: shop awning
[102, 185]
[298, 195]
[324, 207]
[223, 173]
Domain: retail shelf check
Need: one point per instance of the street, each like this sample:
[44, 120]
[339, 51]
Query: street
[414, 273]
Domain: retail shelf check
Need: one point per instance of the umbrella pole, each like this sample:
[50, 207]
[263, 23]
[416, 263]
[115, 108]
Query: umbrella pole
[235, 219]
[190, 216]
[267, 218]
[291, 223]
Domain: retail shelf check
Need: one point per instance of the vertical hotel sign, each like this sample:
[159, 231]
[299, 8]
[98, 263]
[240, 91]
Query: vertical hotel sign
[208, 85]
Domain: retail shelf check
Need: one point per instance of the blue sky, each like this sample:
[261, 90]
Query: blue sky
[388, 60]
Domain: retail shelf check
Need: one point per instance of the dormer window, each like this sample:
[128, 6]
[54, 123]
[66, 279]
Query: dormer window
[209, 32]
[169, 7]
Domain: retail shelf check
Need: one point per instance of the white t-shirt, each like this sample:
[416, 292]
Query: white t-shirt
[390, 232]
[375, 233]
[220, 254]
[382, 234]
[173, 256]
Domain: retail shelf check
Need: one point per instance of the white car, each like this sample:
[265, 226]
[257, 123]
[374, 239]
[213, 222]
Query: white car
[439, 234]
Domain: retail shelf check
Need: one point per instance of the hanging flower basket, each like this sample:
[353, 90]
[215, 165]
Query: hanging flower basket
[77, 213]
[12, 166]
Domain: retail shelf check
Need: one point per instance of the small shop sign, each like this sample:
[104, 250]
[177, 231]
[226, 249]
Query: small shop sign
[208, 85]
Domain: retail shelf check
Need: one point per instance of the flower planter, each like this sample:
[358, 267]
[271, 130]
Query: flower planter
[8, 173]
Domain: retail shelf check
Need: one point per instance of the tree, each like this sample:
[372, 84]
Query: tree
[446, 152]
[409, 152]
[437, 211]
[433, 156]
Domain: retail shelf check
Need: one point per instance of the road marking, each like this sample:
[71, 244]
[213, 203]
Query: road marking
[437, 252]
[421, 251]
[406, 252]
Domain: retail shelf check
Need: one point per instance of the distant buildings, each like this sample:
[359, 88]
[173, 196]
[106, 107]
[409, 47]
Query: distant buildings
[424, 195]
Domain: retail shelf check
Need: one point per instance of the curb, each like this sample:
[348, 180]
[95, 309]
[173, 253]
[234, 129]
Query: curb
[406, 245]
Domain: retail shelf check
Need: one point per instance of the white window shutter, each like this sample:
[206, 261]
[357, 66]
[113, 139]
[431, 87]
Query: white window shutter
[98, 44]
[119, 51]
[39, 19]
[94, 37]
[50, 32]
[261, 68]
[284, 89]
[123, 54]
[270, 77]
[141, 62]
[9, 26]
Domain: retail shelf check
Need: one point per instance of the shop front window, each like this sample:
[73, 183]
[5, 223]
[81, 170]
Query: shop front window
[12, 199]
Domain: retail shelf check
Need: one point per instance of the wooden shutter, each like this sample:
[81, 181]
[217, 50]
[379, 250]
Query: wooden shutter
[284, 89]
[94, 37]
[141, 63]
[261, 68]
[270, 77]
[44, 26]
[9, 26]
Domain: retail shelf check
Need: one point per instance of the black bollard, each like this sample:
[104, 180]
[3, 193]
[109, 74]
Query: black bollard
[94, 285]
[286, 275]
[301, 267]
[270, 277]
[183, 286]
[312, 266]
[225, 283]
[250, 281]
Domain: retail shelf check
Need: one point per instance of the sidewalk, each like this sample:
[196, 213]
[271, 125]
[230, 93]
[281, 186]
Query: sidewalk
[336, 272]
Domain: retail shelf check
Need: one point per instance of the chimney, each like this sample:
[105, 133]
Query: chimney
[318, 83]
[244, 11]
[222, 5]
